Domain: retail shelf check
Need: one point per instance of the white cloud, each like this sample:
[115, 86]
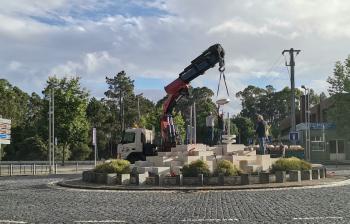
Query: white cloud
[63, 37]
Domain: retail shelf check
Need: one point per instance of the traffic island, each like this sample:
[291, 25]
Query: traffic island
[200, 180]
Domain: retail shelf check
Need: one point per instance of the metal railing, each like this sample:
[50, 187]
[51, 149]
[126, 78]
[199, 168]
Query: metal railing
[11, 168]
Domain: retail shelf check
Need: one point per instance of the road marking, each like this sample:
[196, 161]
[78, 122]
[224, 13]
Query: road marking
[101, 221]
[315, 218]
[12, 221]
[209, 220]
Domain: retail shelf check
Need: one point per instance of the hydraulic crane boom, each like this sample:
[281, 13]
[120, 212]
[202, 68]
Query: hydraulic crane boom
[179, 87]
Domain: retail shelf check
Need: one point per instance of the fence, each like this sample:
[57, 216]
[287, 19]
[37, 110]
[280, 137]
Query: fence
[11, 168]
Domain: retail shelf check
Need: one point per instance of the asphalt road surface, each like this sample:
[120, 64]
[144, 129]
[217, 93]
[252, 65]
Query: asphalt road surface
[32, 199]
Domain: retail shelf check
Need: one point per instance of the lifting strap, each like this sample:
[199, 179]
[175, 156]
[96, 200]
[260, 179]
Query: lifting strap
[224, 78]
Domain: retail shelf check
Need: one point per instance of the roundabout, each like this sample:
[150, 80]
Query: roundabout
[37, 200]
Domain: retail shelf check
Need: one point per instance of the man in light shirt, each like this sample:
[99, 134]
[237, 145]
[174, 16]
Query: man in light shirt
[210, 122]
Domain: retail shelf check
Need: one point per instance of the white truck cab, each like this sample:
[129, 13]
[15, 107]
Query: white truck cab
[136, 144]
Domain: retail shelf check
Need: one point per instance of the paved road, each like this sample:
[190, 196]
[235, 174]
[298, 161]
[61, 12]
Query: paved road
[31, 200]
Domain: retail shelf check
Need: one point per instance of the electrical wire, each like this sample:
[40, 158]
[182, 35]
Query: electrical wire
[274, 64]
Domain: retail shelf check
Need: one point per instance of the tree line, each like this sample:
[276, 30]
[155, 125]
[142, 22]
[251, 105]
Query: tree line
[76, 113]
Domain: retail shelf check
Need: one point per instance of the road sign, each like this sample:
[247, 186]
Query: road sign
[294, 136]
[5, 131]
[94, 136]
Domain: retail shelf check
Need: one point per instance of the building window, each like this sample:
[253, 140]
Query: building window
[318, 146]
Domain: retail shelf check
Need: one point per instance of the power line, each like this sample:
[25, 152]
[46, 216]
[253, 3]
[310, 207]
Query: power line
[274, 64]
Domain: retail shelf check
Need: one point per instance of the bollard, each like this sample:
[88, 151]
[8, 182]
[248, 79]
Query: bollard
[157, 181]
[20, 168]
[55, 171]
[201, 179]
[322, 172]
[0, 170]
[76, 167]
[34, 169]
[10, 169]
[179, 180]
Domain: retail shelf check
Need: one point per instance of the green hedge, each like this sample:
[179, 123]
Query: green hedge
[119, 166]
[227, 168]
[195, 168]
[286, 164]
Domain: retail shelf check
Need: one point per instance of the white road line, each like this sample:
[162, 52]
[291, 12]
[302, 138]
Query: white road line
[101, 221]
[209, 220]
[317, 218]
[12, 221]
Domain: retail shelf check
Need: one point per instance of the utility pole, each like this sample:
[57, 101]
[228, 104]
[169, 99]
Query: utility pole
[292, 81]
[138, 105]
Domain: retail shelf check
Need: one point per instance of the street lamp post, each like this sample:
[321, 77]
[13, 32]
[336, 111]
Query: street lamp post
[307, 121]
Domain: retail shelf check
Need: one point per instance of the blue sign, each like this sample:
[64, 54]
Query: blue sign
[5, 136]
[293, 136]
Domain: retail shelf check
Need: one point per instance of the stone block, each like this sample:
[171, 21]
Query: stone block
[245, 179]
[87, 176]
[316, 174]
[295, 176]
[100, 178]
[169, 181]
[191, 181]
[264, 161]
[142, 179]
[143, 164]
[123, 179]
[111, 179]
[232, 180]
[254, 179]
[176, 170]
[281, 176]
[144, 169]
[243, 165]
[306, 175]
[211, 181]
[161, 170]
[151, 180]
[264, 177]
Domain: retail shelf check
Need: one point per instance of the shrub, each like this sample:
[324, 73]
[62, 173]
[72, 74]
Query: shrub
[227, 168]
[195, 168]
[293, 163]
[119, 166]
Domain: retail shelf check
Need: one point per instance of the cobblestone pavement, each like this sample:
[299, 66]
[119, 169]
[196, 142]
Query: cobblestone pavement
[32, 200]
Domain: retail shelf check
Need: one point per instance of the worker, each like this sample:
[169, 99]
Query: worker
[209, 123]
[220, 127]
[261, 133]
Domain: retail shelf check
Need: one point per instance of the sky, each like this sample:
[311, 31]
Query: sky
[154, 40]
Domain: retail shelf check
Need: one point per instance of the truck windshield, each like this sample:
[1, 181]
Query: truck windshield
[129, 137]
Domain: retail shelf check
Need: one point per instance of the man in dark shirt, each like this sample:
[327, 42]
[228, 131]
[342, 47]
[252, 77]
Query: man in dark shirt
[220, 127]
[261, 132]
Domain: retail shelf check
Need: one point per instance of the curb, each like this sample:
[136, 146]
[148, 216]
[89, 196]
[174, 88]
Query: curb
[270, 186]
